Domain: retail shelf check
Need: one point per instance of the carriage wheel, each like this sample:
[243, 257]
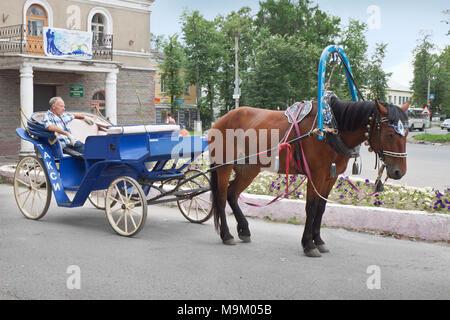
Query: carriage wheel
[98, 198]
[126, 206]
[197, 209]
[32, 188]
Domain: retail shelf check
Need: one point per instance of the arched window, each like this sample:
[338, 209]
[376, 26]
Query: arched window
[36, 21]
[98, 102]
[98, 28]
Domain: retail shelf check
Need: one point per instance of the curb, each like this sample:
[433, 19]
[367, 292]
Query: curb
[409, 223]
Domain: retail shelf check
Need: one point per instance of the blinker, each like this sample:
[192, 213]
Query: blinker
[400, 127]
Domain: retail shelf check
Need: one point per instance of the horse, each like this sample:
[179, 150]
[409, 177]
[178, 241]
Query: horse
[379, 124]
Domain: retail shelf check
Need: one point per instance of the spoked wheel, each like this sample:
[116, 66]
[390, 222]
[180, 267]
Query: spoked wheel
[126, 206]
[197, 209]
[32, 188]
[98, 198]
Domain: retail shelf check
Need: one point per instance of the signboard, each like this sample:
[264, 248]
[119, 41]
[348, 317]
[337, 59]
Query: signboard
[431, 96]
[67, 43]
[76, 90]
[426, 111]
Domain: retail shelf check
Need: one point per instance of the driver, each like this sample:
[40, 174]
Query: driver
[56, 120]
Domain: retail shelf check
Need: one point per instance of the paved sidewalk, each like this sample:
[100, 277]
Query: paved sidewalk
[9, 160]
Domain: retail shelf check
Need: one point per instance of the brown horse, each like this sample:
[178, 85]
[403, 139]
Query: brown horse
[383, 125]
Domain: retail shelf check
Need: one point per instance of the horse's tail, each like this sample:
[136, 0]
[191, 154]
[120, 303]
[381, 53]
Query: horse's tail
[215, 198]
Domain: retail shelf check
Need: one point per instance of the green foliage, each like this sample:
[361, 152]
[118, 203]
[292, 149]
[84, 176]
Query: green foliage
[377, 81]
[171, 70]
[279, 52]
[433, 137]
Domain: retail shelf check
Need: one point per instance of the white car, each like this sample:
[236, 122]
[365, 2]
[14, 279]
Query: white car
[445, 125]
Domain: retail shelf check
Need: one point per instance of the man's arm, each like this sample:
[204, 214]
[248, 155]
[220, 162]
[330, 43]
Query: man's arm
[88, 120]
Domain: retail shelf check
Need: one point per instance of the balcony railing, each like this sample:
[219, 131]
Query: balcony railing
[13, 40]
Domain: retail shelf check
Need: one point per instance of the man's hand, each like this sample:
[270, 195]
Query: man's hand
[72, 139]
[88, 120]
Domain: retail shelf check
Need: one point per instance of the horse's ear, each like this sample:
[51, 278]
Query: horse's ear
[381, 109]
[406, 105]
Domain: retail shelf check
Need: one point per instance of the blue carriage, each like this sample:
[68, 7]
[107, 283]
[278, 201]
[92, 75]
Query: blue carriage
[123, 170]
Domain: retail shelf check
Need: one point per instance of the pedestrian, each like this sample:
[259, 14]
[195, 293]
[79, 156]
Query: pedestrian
[170, 119]
[56, 120]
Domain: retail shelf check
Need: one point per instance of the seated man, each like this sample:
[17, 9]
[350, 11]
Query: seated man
[56, 120]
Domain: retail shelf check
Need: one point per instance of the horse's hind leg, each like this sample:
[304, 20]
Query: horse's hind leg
[244, 176]
[219, 186]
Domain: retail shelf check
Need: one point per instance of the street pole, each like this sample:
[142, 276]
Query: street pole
[236, 61]
[428, 101]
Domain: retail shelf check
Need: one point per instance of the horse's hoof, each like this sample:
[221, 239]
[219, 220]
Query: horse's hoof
[229, 242]
[323, 248]
[245, 239]
[312, 253]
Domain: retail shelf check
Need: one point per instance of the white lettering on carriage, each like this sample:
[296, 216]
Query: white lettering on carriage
[49, 165]
[56, 187]
[374, 281]
[46, 155]
[374, 20]
[53, 175]
[74, 280]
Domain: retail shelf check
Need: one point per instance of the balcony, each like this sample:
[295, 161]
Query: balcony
[13, 39]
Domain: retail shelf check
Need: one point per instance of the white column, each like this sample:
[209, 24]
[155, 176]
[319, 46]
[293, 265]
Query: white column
[111, 96]
[26, 103]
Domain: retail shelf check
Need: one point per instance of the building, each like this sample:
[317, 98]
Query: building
[187, 112]
[397, 96]
[110, 70]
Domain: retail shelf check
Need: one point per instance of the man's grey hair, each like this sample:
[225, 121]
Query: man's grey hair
[53, 101]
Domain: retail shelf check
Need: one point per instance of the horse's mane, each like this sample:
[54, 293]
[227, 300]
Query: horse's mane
[352, 115]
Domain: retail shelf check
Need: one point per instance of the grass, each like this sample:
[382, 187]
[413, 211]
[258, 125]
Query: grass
[433, 137]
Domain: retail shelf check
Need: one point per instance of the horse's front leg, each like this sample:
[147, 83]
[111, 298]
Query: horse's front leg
[309, 248]
[320, 244]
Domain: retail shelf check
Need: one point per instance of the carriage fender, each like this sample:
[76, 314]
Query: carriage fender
[49, 166]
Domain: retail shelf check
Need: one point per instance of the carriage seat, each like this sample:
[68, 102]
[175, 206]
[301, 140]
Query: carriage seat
[147, 128]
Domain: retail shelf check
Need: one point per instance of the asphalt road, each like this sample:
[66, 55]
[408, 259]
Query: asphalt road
[74, 254]
[428, 165]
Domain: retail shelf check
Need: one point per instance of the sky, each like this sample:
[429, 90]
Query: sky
[399, 23]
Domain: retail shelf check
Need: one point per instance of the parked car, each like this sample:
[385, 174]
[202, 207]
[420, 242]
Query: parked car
[445, 125]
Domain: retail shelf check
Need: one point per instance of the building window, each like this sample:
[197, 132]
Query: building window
[395, 99]
[36, 21]
[98, 103]
[98, 28]
[163, 86]
[390, 99]
[187, 90]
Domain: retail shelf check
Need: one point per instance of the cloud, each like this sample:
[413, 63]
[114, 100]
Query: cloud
[402, 74]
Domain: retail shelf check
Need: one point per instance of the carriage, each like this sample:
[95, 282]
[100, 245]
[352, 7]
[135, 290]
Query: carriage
[122, 171]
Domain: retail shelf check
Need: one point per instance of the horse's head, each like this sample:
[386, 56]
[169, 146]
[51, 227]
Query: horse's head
[387, 137]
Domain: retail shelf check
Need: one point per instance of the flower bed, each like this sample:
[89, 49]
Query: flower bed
[344, 192]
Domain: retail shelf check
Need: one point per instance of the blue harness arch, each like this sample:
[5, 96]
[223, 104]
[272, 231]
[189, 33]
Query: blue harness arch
[321, 79]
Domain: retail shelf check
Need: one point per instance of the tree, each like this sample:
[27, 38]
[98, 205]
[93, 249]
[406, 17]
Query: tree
[204, 52]
[242, 22]
[440, 84]
[377, 79]
[171, 71]
[423, 62]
